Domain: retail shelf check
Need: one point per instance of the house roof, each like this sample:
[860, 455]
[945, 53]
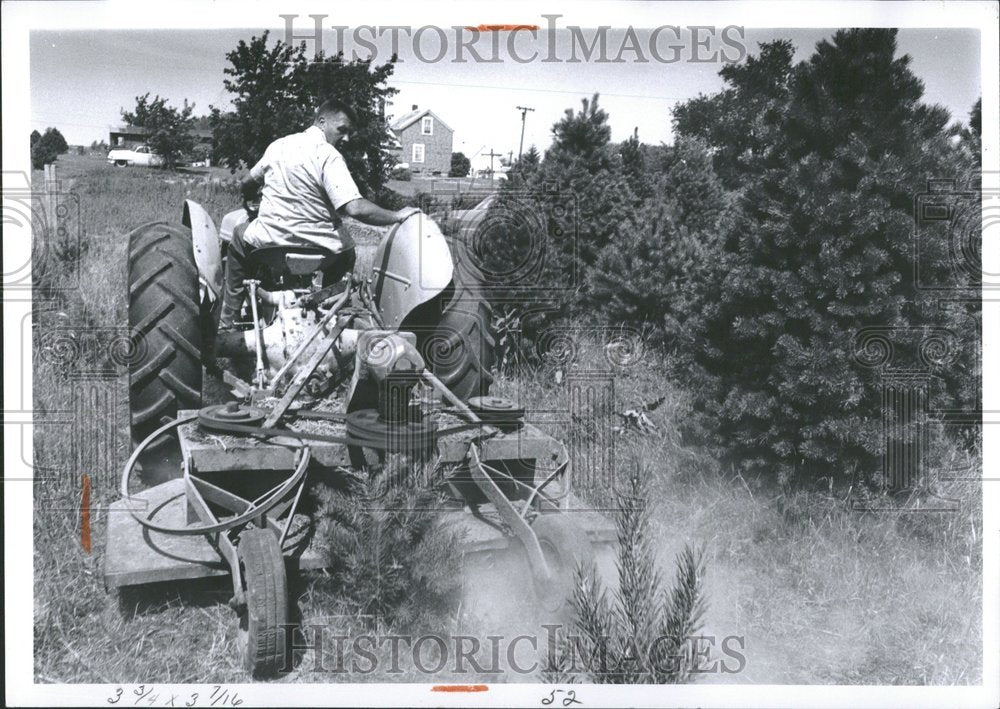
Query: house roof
[408, 119]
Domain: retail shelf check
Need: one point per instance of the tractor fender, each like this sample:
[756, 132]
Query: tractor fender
[411, 265]
[207, 249]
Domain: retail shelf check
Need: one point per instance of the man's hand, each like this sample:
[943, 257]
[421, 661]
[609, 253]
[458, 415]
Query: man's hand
[406, 212]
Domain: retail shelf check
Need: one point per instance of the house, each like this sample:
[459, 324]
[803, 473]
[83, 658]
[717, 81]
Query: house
[425, 141]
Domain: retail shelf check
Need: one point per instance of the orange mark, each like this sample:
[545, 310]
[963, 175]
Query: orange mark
[85, 516]
[501, 28]
[460, 688]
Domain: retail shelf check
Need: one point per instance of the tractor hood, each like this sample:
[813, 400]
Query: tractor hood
[411, 265]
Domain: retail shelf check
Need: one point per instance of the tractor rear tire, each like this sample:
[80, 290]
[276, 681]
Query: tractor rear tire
[565, 547]
[264, 618]
[460, 351]
[164, 315]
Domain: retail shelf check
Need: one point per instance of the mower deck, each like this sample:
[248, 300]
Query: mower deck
[136, 555]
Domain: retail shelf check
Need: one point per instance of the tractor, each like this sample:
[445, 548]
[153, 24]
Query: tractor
[391, 360]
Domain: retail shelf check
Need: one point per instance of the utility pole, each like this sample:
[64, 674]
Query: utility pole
[493, 155]
[524, 113]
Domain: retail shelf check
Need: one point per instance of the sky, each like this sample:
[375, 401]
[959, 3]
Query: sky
[80, 80]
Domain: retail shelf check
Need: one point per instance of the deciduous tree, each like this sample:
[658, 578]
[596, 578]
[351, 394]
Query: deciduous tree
[168, 129]
[276, 88]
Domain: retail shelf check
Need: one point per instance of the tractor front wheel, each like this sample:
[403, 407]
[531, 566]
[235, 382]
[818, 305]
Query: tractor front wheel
[264, 615]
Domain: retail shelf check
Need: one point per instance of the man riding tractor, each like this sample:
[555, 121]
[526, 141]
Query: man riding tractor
[304, 186]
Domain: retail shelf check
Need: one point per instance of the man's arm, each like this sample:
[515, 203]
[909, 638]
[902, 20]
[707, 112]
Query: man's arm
[370, 213]
[347, 199]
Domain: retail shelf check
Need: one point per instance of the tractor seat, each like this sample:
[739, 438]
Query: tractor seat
[273, 264]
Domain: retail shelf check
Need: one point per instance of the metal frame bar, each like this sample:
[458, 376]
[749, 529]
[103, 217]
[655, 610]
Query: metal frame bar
[258, 340]
[217, 495]
[518, 526]
[337, 305]
[302, 376]
[210, 528]
[220, 540]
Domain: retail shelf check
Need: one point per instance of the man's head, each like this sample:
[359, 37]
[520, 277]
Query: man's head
[251, 198]
[336, 119]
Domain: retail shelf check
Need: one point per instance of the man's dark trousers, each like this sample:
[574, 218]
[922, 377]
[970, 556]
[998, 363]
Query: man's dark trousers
[235, 290]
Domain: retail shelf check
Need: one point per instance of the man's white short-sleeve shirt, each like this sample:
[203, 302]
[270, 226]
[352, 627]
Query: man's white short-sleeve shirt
[305, 182]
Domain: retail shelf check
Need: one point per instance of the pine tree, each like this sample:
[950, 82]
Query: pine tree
[822, 247]
[661, 270]
[560, 216]
[744, 120]
[642, 631]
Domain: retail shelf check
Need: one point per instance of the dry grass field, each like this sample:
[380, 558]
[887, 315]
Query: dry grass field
[819, 593]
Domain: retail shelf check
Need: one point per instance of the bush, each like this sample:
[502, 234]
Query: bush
[661, 271]
[47, 147]
[556, 218]
[56, 140]
[460, 165]
[42, 153]
[402, 174]
[392, 200]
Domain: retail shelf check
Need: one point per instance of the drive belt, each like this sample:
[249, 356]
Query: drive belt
[411, 439]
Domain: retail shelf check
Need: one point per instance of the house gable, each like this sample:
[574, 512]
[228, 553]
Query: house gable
[424, 152]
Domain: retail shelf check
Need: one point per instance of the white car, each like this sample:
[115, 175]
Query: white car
[140, 155]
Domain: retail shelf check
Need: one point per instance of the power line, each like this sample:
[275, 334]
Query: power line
[537, 90]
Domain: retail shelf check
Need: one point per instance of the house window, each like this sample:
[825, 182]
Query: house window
[418, 152]
[427, 126]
